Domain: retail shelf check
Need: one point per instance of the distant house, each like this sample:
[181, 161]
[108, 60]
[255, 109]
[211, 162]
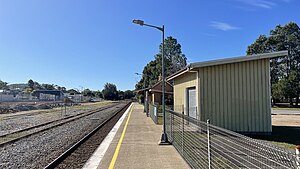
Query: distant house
[49, 95]
[234, 93]
[6, 97]
[74, 97]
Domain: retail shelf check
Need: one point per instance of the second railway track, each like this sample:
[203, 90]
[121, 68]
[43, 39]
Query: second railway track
[38, 150]
[26, 132]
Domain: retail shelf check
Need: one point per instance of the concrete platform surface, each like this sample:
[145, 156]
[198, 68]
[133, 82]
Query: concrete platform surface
[139, 148]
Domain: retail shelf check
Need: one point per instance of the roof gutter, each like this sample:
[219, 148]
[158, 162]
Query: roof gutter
[188, 69]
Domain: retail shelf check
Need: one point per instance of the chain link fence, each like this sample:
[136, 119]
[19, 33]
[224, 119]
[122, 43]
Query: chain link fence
[155, 112]
[204, 145]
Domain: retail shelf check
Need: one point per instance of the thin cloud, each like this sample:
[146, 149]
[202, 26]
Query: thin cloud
[222, 26]
[266, 4]
[287, 1]
[209, 34]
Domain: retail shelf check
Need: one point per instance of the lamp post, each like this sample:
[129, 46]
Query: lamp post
[164, 138]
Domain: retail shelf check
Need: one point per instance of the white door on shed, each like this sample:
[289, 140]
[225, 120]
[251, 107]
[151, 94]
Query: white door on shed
[192, 104]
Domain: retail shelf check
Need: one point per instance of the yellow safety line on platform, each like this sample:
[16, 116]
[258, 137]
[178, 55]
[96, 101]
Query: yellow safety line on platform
[114, 159]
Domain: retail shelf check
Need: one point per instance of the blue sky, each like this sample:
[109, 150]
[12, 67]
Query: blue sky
[86, 43]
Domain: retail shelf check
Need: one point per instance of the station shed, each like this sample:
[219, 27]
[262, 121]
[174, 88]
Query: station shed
[153, 94]
[153, 100]
[233, 93]
[49, 95]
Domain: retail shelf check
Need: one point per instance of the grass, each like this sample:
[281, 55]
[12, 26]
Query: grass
[93, 105]
[285, 145]
[284, 136]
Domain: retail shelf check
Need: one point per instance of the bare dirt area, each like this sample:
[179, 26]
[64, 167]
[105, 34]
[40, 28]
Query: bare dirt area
[12, 107]
[286, 120]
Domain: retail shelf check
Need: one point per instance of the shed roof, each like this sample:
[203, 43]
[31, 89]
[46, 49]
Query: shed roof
[227, 61]
[52, 92]
[154, 88]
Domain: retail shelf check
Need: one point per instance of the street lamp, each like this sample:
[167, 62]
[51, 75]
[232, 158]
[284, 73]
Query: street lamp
[164, 138]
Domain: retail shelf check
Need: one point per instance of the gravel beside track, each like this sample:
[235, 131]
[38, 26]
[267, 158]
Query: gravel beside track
[80, 156]
[13, 122]
[38, 150]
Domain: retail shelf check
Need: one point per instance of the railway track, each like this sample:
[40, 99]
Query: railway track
[79, 153]
[26, 132]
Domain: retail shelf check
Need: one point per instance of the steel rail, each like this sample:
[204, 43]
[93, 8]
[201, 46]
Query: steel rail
[68, 152]
[49, 122]
[48, 128]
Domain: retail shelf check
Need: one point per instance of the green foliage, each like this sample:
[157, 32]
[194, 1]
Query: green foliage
[120, 95]
[174, 58]
[277, 90]
[33, 85]
[290, 85]
[30, 84]
[48, 86]
[87, 92]
[174, 61]
[285, 72]
[3, 85]
[72, 92]
[128, 94]
[98, 94]
[110, 92]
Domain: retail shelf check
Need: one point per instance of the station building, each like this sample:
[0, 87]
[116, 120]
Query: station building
[233, 93]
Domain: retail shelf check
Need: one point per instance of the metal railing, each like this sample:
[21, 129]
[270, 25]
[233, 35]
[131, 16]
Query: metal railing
[204, 145]
[155, 112]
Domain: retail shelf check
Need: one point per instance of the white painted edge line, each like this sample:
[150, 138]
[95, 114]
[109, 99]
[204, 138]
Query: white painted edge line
[98, 155]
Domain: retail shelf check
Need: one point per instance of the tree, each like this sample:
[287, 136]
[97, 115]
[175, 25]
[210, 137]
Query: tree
[63, 89]
[285, 37]
[37, 86]
[128, 94]
[98, 94]
[290, 86]
[3, 85]
[28, 90]
[277, 91]
[174, 58]
[110, 92]
[30, 84]
[48, 86]
[174, 61]
[72, 91]
[87, 92]
[120, 95]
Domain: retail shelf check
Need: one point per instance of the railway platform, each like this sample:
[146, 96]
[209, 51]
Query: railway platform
[135, 145]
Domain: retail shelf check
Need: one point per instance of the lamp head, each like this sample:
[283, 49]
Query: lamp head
[140, 22]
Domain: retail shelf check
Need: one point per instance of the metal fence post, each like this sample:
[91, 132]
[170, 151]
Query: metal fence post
[171, 123]
[65, 109]
[208, 145]
[182, 135]
[182, 132]
[298, 156]
[62, 110]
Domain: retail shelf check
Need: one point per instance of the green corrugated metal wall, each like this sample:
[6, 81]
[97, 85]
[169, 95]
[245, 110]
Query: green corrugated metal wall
[236, 96]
